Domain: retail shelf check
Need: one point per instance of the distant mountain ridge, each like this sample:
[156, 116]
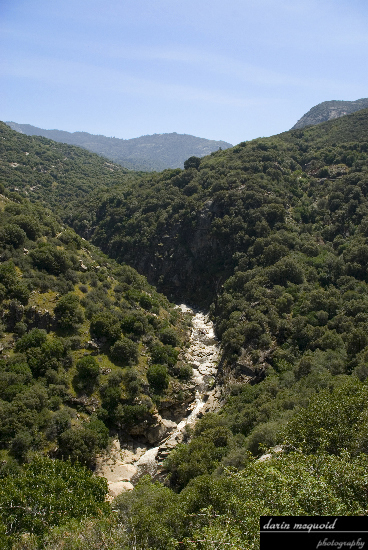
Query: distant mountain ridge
[328, 110]
[148, 153]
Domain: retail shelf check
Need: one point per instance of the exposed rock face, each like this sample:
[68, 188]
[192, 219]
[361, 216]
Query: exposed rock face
[182, 268]
[328, 110]
[155, 431]
[118, 467]
[40, 318]
[89, 404]
[14, 314]
[246, 371]
[274, 450]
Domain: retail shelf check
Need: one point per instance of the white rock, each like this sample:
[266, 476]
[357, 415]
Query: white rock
[118, 487]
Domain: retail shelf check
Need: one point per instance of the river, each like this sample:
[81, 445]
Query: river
[124, 465]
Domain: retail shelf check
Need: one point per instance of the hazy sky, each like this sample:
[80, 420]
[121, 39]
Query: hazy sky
[231, 69]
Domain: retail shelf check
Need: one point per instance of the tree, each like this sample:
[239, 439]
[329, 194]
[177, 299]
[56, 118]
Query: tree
[105, 325]
[68, 312]
[33, 339]
[79, 445]
[87, 373]
[30, 225]
[51, 259]
[125, 351]
[192, 162]
[87, 368]
[158, 377]
[12, 235]
[169, 336]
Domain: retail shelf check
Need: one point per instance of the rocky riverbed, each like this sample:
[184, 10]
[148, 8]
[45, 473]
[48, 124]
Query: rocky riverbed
[127, 461]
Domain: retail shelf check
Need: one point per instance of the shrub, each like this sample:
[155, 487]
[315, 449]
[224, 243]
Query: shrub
[263, 437]
[192, 162]
[168, 336]
[30, 225]
[79, 445]
[111, 398]
[105, 325]
[87, 368]
[49, 492]
[35, 338]
[134, 414]
[164, 355]
[68, 311]
[146, 301]
[185, 372]
[134, 324]
[12, 235]
[51, 259]
[331, 421]
[158, 377]
[21, 444]
[125, 351]
[286, 270]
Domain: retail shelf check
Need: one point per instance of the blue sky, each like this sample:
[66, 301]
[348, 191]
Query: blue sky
[232, 70]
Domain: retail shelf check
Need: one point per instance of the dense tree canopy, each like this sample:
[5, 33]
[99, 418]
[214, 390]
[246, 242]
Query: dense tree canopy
[271, 235]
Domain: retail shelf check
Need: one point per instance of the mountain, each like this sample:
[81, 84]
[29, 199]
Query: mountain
[271, 236]
[146, 153]
[328, 110]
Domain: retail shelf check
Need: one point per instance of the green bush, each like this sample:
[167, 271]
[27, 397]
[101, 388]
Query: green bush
[51, 259]
[87, 368]
[111, 398]
[13, 235]
[33, 339]
[164, 354]
[331, 421]
[81, 444]
[263, 437]
[21, 444]
[134, 414]
[169, 337]
[185, 372]
[146, 301]
[46, 493]
[68, 312]
[105, 325]
[134, 324]
[125, 351]
[46, 357]
[158, 377]
[30, 225]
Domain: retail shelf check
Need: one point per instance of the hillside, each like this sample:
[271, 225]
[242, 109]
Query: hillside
[147, 153]
[329, 110]
[55, 173]
[88, 350]
[272, 237]
[187, 230]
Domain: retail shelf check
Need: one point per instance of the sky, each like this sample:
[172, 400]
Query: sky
[227, 70]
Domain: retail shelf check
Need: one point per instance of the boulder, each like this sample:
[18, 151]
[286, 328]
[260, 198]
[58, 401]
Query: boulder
[159, 430]
[118, 487]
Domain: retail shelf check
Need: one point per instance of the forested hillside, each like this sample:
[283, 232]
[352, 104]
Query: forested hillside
[272, 237]
[148, 153]
[88, 349]
[54, 173]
